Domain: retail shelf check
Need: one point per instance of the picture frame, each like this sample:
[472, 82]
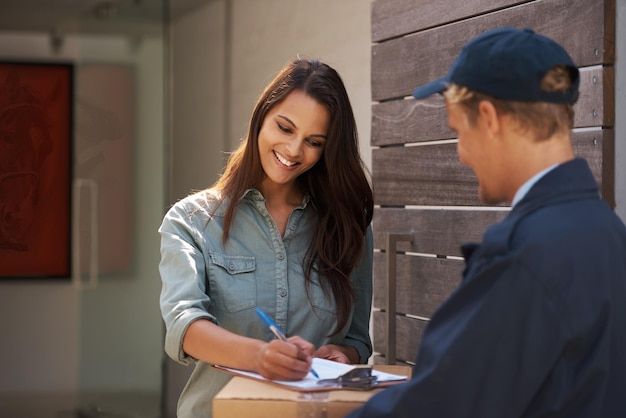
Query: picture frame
[36, 142]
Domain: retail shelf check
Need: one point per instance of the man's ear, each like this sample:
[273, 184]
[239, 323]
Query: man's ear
[488, 116]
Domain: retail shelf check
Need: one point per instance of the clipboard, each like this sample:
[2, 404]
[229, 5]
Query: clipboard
[333, 376]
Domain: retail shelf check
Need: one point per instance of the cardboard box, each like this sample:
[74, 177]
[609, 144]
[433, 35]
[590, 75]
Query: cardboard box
[248, 398]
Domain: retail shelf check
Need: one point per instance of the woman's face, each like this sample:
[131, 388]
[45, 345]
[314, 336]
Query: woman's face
[292, 138]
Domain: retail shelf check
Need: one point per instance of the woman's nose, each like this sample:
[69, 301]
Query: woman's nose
[294, 147]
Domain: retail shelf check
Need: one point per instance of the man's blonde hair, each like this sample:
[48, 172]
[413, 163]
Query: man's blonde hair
[542, 119]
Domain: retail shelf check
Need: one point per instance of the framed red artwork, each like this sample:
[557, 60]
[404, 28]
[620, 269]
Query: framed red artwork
[36, 117]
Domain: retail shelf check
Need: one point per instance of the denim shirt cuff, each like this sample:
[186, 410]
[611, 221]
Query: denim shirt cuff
[174, 338]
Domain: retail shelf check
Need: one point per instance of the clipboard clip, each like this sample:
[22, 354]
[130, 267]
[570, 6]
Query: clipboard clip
[359, 378]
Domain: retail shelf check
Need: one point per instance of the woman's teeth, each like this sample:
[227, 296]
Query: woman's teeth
[283, 160]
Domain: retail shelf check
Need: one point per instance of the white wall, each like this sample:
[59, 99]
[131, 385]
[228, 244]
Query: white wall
[197, 98]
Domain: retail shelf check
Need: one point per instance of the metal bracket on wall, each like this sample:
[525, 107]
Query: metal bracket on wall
[390, 302]
[77, 271]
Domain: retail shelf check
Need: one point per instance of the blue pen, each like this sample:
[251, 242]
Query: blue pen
[273, 326]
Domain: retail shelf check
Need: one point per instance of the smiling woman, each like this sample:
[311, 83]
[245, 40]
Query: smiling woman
[285, 229]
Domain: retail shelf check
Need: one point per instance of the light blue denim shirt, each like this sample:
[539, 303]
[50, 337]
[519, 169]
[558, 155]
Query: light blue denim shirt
[201, 278]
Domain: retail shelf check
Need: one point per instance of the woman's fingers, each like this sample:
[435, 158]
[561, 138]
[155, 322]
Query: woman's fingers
[284, 360]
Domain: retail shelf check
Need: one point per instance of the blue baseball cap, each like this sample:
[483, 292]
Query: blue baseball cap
[508, 63]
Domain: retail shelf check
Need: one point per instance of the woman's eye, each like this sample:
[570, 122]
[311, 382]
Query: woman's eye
[314, 143]
[284, 128]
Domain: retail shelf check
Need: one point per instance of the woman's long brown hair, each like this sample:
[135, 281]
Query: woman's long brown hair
[337, 185]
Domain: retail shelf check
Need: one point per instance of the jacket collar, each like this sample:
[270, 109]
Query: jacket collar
[569, 181]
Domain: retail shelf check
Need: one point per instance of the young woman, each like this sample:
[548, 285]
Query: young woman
[286, 229]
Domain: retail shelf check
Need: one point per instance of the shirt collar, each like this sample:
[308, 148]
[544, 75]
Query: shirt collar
[255, 194]
[521, 192]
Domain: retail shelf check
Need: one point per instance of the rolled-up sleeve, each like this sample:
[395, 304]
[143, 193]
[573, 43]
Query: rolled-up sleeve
[183, 298]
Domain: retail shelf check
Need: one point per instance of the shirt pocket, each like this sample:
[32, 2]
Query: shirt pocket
[232, 283]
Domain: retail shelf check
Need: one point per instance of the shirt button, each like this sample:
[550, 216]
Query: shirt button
[280, 256]
[282, 291]
[231, 267]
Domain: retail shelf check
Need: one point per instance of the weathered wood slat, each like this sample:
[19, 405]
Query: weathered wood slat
[408, 335]
[423, 283]
[433, 175]
[603, 165]
[391, 18]
[425, 175]
[378, 359]
[406, 121]
[439, 232]
[583, 27]
[596, 104]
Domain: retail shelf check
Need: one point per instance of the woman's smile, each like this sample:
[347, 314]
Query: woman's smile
[284, 161]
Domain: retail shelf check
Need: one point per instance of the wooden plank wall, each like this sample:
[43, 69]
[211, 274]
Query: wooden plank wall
[420, 187]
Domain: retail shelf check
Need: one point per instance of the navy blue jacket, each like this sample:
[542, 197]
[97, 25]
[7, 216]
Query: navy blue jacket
[537, 327]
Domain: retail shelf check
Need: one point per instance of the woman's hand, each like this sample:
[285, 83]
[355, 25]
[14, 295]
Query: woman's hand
[285, 360]
[339, 353]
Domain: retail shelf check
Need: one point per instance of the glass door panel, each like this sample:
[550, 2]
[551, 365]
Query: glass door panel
[120, 126]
